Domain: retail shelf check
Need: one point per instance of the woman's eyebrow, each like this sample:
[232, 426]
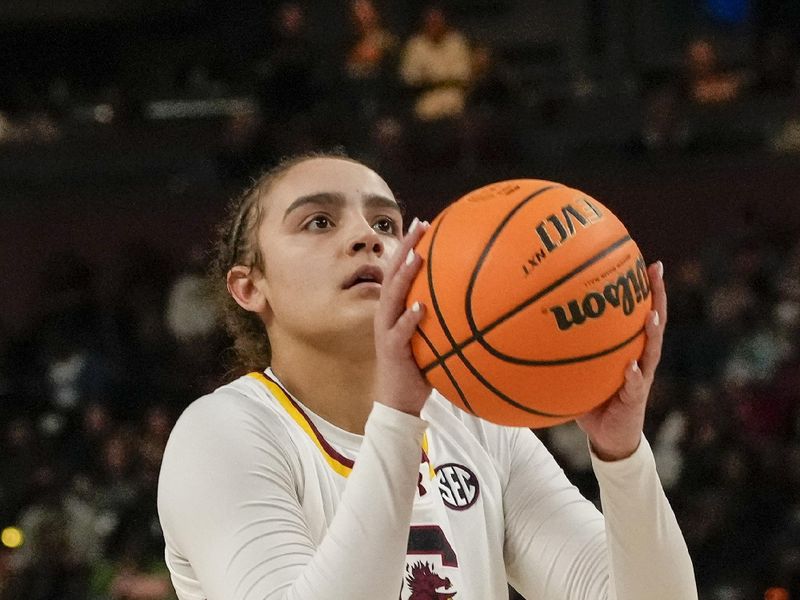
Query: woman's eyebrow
[322, 199]
[378, 201]
[337, 199]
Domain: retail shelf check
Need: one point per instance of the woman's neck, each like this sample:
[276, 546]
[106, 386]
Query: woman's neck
[338, 386]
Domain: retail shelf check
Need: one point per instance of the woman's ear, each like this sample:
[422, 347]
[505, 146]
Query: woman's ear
[242, 286]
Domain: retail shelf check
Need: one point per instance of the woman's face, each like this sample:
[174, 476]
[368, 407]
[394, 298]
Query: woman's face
[328, 230]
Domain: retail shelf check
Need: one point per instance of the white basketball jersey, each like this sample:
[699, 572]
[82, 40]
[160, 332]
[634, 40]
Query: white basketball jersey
[455, 544]
[251, 482]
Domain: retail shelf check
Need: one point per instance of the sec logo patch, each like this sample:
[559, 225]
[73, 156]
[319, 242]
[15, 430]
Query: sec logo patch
[458, 486]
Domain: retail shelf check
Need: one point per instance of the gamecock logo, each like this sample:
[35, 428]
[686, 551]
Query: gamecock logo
[424, 583]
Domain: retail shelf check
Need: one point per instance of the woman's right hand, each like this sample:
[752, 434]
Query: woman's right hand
[400, 382]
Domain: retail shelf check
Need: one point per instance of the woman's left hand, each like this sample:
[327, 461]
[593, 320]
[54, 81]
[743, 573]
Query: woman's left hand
[615, 427]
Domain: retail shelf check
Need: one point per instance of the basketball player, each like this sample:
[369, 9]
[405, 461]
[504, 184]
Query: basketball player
[334, 472]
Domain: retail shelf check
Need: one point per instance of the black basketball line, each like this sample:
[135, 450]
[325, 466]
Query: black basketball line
[478, 333]
[437, 310]
[456, 348]
[446, 371]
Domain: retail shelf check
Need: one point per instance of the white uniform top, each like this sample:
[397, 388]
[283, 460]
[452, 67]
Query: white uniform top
[261, 499]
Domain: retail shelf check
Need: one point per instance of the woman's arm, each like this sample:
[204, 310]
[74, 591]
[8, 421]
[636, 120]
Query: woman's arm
[228, 500]
[558, 545]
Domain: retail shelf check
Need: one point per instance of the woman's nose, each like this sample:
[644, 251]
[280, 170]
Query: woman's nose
[365, 239]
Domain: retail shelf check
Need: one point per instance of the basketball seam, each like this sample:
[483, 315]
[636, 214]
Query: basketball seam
[439, 316]
[446, 371]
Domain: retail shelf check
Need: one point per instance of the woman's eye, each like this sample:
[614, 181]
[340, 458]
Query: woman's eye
[385, 225]
[319, 222]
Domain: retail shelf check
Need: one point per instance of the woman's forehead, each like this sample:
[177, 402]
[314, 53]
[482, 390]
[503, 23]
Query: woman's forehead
[327, 176]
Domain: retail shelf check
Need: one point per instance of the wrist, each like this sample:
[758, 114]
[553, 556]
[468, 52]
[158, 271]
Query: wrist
[617, 451]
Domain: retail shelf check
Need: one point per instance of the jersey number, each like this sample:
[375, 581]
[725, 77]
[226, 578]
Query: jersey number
[430, 539]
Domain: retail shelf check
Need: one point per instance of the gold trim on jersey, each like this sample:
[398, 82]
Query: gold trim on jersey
[340, 464]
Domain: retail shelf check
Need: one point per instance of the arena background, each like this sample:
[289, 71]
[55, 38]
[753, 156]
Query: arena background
[125, 127]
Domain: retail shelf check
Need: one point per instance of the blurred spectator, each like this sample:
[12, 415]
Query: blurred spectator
[195, 339]
[51, 564]
[788, 279]
[436, 66]
[118, 491]
[373, 48]
[158, 423]
[240, 153]
[694, 347]
[69, 347]
[290, 86]
[664, 122]
[707, 81]
[22, 456]
[756, 354]
[190, 316]
[766, 410]
[777, 63]
[786, 139]
[698, 107]
[84, 447]
[6, 376]
[369, 75]
[784, 554]
[491, 112]
[197, 81]
[134, 569]
[33, 128]
[139, 283]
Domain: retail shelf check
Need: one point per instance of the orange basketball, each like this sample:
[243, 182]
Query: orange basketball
[536, 300]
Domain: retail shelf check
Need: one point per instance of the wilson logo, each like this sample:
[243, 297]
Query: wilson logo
[624, 294]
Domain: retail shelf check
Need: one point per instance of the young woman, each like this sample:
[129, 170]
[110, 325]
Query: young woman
[337, 473]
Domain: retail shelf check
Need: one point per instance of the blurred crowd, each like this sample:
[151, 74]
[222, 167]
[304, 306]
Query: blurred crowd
[424, 95]
[90, 390]
[88, 397]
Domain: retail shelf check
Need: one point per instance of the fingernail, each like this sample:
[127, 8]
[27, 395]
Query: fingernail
[413, 225]
[635, 366]
[410, 257]
[425, 224]
[660, 271]
[415, 307]
[656, 319]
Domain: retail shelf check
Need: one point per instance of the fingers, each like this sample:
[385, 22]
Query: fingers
[657, 288]
[406, 324]
[635, 389]
[656, 321]
[403, 267]
[415, 231]
[394, 341]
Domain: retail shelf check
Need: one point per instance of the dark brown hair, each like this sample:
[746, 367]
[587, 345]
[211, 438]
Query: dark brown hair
[236, 244]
